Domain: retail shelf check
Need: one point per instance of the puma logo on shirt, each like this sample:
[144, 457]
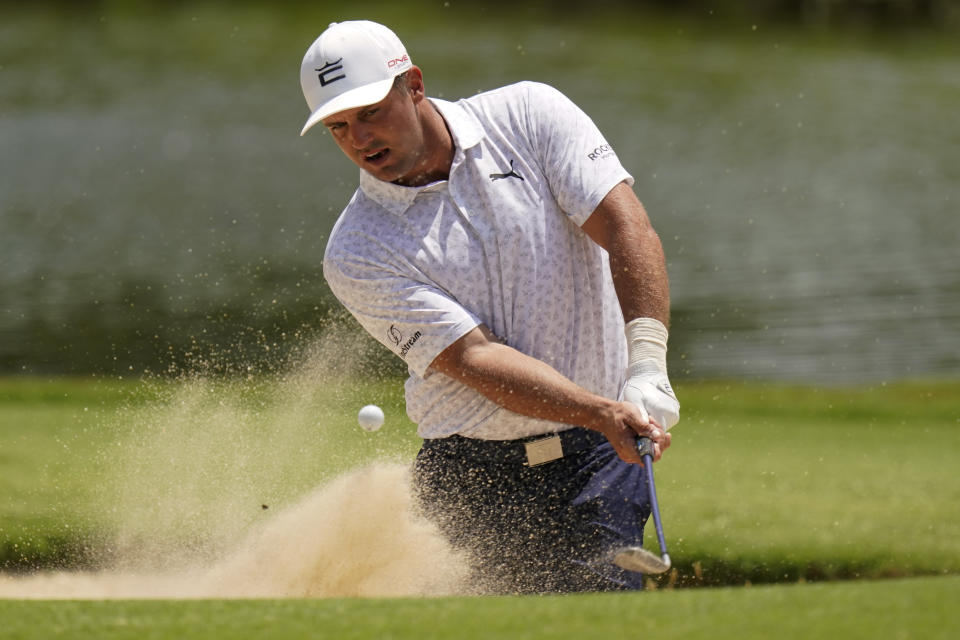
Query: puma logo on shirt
[512, 174]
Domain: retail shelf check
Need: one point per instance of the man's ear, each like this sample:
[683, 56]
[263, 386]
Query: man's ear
[415, 84]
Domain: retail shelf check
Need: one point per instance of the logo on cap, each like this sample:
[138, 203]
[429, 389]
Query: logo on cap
[405, 59]
[327, 69]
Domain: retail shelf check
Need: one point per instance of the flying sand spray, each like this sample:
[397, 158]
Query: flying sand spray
[182, 488]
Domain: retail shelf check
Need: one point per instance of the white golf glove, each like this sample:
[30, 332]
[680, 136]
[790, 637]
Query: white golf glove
[647, 385]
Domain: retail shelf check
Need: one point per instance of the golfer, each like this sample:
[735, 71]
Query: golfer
[495, 245]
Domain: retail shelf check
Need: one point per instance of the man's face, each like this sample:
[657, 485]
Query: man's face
[385, 139]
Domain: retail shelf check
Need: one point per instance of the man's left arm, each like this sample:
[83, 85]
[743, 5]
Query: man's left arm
[620, 225]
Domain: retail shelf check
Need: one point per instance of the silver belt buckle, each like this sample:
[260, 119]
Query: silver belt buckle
[543, 450]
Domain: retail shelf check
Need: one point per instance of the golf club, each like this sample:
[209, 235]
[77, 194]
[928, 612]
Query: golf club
[637, 558]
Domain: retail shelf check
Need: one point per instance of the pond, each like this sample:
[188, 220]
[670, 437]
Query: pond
[155, 196]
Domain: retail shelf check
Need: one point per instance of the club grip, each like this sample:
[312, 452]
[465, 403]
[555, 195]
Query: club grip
[645, 446]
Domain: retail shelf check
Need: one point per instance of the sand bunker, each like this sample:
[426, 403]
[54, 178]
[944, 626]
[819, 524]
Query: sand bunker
[179, 495]
[356, 536]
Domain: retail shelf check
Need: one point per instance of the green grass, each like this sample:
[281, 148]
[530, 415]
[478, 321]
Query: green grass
[910, 608]
[763, 483]
[777, 483]
[50, 436]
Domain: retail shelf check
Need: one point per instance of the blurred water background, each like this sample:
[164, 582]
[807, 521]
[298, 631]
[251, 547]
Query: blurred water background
[800, 162]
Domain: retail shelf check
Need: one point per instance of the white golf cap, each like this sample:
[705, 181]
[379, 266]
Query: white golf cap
[352, 64]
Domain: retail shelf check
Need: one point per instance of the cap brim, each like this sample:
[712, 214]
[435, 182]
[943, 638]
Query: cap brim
[360, 97]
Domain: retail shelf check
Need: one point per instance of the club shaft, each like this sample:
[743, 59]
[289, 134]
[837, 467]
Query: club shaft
[654, 505]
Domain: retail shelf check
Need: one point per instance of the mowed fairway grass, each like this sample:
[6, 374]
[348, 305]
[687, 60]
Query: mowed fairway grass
[764, 484]
[905, 608]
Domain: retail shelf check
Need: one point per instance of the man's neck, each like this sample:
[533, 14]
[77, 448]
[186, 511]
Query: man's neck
[439, 142]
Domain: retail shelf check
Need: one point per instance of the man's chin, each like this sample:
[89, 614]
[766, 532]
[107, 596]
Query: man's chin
[383, 173]
[391, 174]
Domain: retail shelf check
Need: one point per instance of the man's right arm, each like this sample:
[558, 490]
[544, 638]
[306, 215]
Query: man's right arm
[533, 388]
[620, 225]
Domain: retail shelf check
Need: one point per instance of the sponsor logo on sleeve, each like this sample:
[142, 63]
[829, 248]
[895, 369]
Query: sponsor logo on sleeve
[395, 334]
[409, 343]
[397, 338]
[602, 152]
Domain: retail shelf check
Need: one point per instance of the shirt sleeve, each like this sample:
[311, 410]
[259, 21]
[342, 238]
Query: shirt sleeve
[580, 165]
[415, 320]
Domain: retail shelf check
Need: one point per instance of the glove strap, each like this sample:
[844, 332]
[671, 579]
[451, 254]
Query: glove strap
[647, 347]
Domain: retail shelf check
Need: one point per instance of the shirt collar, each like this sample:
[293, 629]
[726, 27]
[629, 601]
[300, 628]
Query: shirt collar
[466, 132]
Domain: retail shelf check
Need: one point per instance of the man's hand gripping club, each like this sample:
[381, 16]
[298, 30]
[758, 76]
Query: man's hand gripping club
[647, 385]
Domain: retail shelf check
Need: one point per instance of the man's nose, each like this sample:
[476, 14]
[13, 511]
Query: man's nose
[360, 135]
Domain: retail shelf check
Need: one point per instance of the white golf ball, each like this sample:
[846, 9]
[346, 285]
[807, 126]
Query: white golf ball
[370, 417]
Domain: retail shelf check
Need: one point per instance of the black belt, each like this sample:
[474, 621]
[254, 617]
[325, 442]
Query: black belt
[526, 451]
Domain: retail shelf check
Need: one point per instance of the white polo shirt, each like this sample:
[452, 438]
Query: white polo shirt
[498, 243]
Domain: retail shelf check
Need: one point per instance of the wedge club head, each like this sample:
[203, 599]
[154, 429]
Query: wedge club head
[639, 559]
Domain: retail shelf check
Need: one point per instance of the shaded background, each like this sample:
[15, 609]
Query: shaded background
[800, 159]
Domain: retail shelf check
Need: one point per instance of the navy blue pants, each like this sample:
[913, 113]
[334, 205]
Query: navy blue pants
[550, 528]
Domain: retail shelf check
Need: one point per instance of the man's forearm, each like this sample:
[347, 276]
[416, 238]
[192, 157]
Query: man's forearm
[533, 388]
[519, 382]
